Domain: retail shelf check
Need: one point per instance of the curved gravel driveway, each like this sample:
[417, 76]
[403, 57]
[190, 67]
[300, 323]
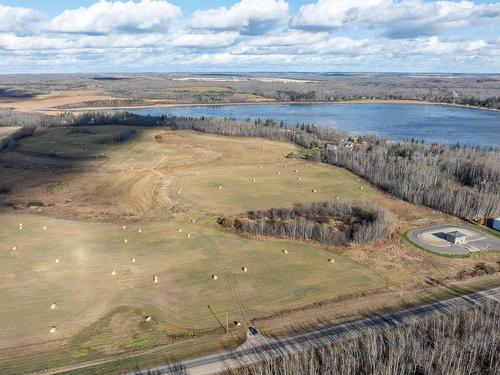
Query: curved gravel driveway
[483, 241]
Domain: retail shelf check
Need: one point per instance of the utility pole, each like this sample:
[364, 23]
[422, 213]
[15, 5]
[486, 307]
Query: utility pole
[215, 316]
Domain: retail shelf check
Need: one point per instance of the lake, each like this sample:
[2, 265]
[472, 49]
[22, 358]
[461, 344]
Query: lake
[431, 123]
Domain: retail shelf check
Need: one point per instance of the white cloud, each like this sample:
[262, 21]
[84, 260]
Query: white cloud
[327, 14]
[106, 17]
[251, 35]
[397, 19]
[207, 40]
[14, 19]
[248, 16]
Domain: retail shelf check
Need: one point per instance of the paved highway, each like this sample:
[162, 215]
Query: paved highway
[260, 346]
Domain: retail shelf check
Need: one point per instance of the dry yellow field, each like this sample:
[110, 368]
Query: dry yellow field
[113, 233]
[47, 102]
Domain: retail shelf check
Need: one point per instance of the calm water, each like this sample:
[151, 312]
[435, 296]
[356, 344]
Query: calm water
[441, 124]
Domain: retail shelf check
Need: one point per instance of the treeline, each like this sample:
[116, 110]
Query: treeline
[462, 181]
[492, 102]
[188, 95]
[296, 96]
[331, 223]
[443, 98]
[124, 136]
[107, 103]
[464, 342]
[9, 117]
[10, 142]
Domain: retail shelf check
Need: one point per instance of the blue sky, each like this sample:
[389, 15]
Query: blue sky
[249, 35]
[53, 7]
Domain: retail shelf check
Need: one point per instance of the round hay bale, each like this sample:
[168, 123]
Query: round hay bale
[132, 260]
[193, 221]
[260, 166]
[284, 251]
[305, 164]
[337, 198]
[236, 323]
[298, 178]
[148, 318]
[179, 230]
[314, 190]
[188, 235]
[220, 187]
[14, 248]
[278, 172]
[57, 260]
[44, 228]
[215, 277]
[179, 192]
[331, 260]
[139, 230]
[285, 166]
[253, 180]
[155, 279]
[125, 240]
[113, 273]
[296, 171]
[124, 227]
[244, 269]
[53, 306]
[361, 188]
[53, 329]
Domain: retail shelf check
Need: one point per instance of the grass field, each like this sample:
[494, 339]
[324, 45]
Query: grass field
[116, 215]
[47, 102]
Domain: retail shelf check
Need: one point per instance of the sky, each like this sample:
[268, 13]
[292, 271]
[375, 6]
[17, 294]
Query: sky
[47, 36]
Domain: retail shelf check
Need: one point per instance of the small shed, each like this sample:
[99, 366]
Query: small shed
[455, 237]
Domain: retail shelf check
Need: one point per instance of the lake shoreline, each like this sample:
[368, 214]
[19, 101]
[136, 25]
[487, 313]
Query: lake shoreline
[345, 102]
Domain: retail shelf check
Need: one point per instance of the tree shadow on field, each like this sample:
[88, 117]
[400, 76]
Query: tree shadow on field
[45, 171]
[170, 366]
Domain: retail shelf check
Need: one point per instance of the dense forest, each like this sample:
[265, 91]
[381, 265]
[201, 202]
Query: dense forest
[464, 342]
[462, 181]
[459, 180]
[331, 223]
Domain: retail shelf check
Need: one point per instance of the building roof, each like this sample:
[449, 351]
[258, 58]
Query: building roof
[455, 234]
